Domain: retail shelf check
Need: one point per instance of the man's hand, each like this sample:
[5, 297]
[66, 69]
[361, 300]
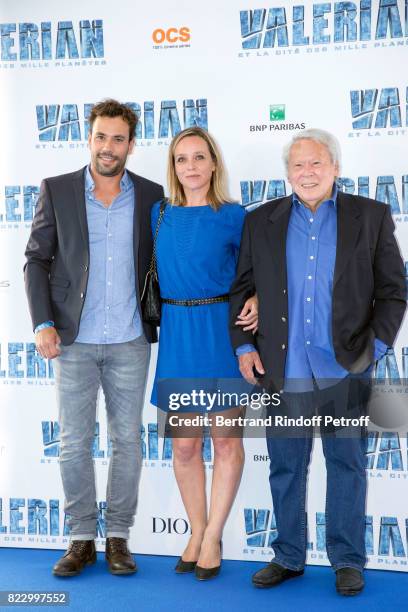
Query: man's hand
[248, 317]
[48, 343]
[247, 362]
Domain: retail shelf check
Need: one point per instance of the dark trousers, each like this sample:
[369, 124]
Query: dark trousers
[344, 451]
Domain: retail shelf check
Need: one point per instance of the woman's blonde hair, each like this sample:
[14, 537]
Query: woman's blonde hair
[218, 192]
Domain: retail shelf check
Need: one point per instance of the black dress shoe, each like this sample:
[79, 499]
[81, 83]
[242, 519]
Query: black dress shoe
[79, 554]
[272, 575]
[205, 573]
[185, 567]
[119, 559]
[349, 581]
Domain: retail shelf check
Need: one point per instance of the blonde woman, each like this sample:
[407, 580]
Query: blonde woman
[197, 248]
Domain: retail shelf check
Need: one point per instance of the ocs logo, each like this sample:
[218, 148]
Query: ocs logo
[171, 36]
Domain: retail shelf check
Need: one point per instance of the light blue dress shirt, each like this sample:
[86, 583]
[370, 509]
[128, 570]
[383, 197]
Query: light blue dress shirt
[110, 314]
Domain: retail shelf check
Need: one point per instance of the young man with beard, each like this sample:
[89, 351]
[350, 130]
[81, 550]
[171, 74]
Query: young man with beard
[87, 256]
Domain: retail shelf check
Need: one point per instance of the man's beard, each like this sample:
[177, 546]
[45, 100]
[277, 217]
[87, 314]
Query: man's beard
[113, 170]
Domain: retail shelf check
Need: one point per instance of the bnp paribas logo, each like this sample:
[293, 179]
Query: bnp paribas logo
[277, 112]
[278, 121]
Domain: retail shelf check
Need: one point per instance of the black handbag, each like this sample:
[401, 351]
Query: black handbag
[150, 298]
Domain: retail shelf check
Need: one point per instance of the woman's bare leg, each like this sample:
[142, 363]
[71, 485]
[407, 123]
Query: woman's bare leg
[190, 475]
[228, 465]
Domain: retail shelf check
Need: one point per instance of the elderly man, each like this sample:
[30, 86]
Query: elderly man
[330, 283]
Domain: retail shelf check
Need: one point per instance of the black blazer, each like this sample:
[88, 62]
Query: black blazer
[369, 293]
[57, 267]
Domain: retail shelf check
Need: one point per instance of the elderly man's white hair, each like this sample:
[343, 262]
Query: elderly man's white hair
[321, 136]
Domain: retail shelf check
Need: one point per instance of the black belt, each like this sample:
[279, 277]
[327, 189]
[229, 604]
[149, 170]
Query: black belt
[197, 302]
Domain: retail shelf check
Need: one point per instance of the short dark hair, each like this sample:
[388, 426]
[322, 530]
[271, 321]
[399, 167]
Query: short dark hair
[113, 108]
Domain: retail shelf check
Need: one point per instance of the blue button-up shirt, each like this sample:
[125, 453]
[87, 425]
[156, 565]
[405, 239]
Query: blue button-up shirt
[310, 260]
[110, 314]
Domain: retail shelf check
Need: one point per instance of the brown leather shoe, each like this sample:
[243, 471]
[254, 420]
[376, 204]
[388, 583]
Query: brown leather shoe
[79, 554]
[119, 559]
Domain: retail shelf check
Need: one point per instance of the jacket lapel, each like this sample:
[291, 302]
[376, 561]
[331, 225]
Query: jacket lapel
[137, 214]
[276, 233]
[79, 193]
[348, 231]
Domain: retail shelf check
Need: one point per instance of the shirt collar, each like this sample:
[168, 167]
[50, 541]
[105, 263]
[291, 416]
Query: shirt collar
[332, 199]
[125, 182]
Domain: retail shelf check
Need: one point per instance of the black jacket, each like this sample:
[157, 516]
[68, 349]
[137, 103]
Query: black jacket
[57, 268]
[369, 292]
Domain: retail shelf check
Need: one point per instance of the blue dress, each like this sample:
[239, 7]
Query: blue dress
[197, 251]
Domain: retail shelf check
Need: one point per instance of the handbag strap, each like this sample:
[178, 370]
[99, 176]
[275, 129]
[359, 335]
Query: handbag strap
[159, 220]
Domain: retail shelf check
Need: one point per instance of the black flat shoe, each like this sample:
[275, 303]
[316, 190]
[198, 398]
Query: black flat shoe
[272, 575]
[349, 581]
[185, 567]
[205, 573]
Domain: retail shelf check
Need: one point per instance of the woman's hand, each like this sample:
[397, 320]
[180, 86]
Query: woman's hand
[248, 317]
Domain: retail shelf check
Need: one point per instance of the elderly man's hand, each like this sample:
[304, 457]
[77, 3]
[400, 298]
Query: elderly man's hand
[247, 363]
[48, 342]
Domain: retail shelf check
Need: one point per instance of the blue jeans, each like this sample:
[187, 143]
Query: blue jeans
[346, 485]
[121, 371]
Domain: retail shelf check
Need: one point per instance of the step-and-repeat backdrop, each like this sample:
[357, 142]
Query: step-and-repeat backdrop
[254, 73]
